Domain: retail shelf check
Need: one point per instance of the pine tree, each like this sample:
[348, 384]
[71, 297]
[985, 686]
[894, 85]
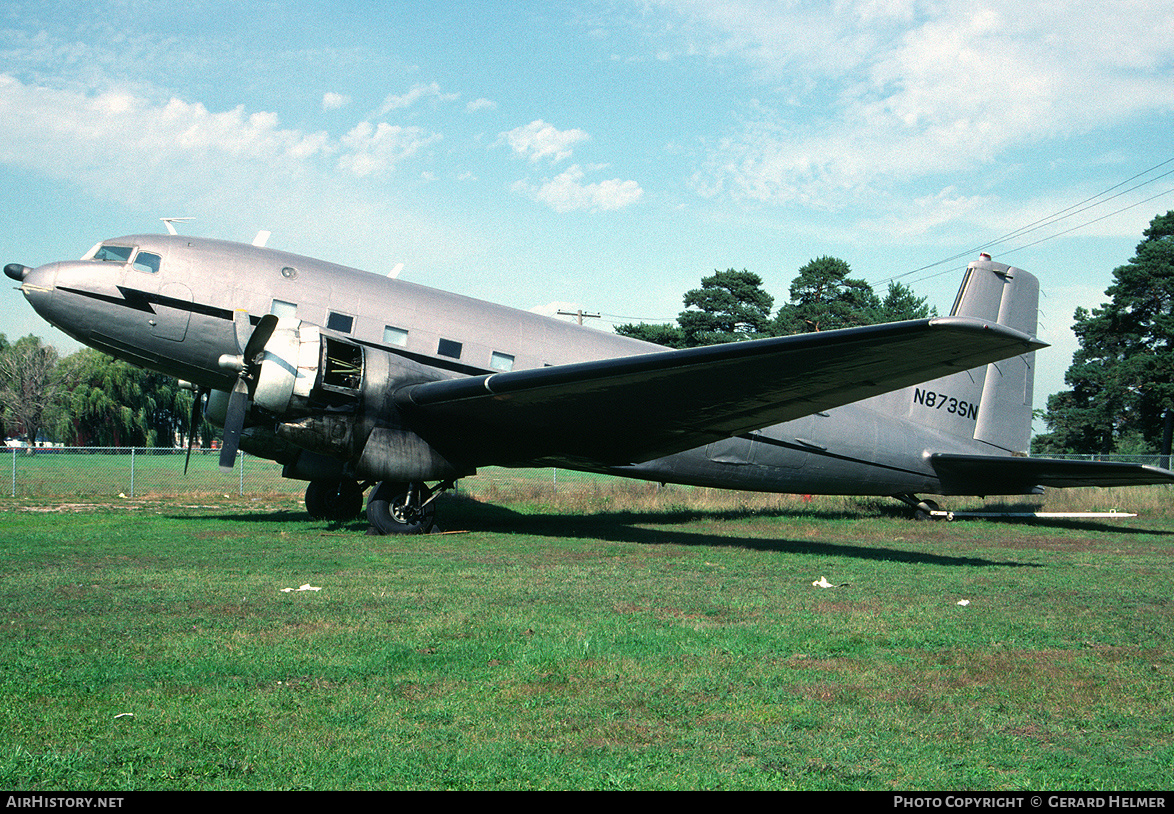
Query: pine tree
[824, 298]
[1122, 376]
[730, 306]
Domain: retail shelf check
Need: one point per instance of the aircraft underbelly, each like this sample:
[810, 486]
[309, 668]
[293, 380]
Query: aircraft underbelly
[846, 451]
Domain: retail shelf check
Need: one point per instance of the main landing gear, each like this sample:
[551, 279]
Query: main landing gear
[922, 509]
[392, 508]
[337, 500]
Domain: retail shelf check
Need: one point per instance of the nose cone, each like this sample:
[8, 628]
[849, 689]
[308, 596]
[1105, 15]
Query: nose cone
[37, 285]
[16, 271]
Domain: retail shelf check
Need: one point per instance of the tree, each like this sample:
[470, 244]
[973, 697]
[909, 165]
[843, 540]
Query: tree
[824, 297]
[730, 306]
[1122, 375]
[901, 304]
[113, 403]
[30, 386]
[671, 336]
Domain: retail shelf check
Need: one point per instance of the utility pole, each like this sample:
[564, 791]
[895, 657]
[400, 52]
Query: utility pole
[580, 314]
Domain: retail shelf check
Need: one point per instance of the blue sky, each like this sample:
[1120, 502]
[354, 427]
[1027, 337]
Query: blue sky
[598, 155]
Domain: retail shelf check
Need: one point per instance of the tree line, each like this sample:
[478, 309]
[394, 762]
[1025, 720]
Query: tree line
[88, 399]
[732, 305]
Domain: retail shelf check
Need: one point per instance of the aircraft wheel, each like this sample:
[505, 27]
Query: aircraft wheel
[394, 508]
[334, 499]
[924, 508]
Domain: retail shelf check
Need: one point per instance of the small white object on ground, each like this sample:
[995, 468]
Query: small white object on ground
[306, 587]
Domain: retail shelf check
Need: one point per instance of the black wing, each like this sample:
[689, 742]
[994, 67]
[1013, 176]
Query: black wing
[636, 408]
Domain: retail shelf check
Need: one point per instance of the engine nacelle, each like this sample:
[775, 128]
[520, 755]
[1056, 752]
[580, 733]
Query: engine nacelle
[289, 367]
[334, 398]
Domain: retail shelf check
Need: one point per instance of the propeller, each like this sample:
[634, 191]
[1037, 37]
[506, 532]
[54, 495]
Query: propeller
[251, 346]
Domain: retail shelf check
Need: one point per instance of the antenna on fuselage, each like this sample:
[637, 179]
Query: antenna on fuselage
[169, 221]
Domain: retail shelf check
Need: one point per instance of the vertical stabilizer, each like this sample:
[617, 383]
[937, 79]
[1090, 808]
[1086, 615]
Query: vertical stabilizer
[989, 407]
[1009, 296]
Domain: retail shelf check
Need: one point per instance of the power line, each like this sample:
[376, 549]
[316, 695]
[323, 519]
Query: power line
[1037, 242]
[1055, 217]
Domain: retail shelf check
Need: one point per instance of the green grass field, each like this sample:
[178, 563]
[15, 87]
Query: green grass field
[613, 638]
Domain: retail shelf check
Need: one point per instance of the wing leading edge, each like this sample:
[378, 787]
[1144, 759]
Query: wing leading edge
[1002, 475]
[636, 408]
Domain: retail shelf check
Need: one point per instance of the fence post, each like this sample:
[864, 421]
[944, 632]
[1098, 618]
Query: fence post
[14, 471]
[132, 472]
[241, 455]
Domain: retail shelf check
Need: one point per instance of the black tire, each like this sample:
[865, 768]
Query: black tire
[924, 508]
[388, 511]
[337, 500]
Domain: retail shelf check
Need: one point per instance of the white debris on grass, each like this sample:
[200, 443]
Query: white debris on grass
[306, 587]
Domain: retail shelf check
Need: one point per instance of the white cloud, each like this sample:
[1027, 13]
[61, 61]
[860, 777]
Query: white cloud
[481, 104]
[417, 93]
[132, 150]
[551, 309]
[871, 92]
[906, 220]
[538, 140]
[377, 149]
[566, 192]
[124, 145]
[334, 101]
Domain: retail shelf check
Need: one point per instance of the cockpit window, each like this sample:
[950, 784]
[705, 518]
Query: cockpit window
[114, 254]
[145, 261]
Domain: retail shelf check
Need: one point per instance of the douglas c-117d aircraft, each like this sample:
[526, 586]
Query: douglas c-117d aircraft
[353, 380]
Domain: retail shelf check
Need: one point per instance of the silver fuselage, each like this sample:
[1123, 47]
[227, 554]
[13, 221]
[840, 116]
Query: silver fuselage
[171, 310]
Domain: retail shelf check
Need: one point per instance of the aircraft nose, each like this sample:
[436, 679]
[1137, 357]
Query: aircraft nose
[36, 284]
[16, 271]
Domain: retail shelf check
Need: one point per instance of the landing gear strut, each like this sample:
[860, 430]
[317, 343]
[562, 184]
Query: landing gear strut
[403, 508]
[922, 509]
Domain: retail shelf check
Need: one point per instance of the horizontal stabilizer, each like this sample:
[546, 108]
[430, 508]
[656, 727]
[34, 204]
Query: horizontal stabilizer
[1004, 475]
[635, 408]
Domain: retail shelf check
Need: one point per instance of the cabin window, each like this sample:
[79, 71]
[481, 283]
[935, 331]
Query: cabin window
[145, 261]
[395, 336]
[449, 348]
[340, 322]
[114, 254]
[501, 361]
[283, 310]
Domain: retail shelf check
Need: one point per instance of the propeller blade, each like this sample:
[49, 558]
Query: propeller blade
[234, 423]
[259, 337]
[243, 328]
[238, 403]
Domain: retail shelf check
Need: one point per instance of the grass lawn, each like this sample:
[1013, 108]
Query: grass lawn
[635, 639]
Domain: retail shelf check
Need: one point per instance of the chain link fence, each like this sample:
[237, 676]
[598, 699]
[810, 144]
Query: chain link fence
[107, 472]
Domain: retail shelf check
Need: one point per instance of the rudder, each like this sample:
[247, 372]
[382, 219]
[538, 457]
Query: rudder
[1009, 296]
